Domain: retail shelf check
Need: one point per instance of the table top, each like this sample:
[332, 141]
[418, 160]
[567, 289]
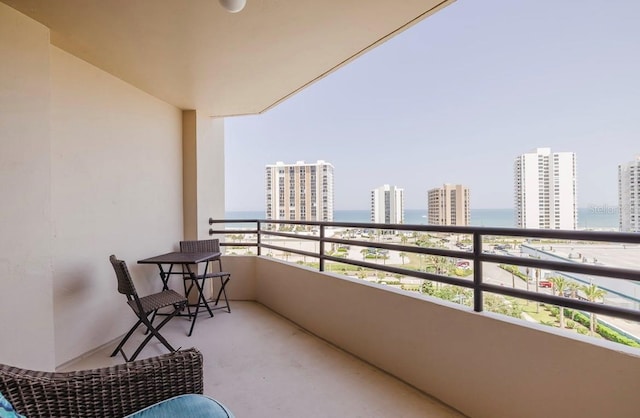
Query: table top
[178, 257]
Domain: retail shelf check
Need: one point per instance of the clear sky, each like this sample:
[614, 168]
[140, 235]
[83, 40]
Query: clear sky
[455, 99]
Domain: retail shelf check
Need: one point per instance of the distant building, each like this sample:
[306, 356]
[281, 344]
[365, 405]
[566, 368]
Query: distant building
[629, 196]
[300, 191]
[545, 190]
[449, 205]
[387, 205]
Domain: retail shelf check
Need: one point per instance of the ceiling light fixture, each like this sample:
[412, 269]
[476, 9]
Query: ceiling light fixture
[233, 6]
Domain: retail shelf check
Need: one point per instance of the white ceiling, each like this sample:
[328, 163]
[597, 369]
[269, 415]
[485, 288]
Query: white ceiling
[195, 55]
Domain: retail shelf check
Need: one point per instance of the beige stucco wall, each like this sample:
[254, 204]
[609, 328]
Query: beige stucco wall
[243, 283]
[89, 166]
[202, 172]
[481, 364]
[116, 170]
[26, 323]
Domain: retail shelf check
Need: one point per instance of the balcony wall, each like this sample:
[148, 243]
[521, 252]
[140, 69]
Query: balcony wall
[116, 177]
[89, 166]
[479, 363]
[245, 276]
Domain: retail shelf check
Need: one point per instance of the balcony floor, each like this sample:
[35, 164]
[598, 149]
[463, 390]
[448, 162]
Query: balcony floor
[261, 365]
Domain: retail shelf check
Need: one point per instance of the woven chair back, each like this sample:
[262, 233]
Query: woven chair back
[205, 245]
[125, 284]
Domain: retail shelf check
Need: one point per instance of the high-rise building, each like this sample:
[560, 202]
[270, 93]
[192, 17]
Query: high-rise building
[629, 196]
[449, 205]
[387, 205]
[545, 190]
[299, 191]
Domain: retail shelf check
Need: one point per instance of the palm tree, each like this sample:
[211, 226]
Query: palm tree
[559, 285]
[235, 237]
[437, 262]
[402, 256]
[573, 288]
[444, 265]
[403, 239]
[593, 294]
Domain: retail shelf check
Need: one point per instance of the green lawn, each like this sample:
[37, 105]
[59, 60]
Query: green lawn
[541, 315]
[544, 316]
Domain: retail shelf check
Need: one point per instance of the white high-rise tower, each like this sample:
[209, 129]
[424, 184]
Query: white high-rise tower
[629, 196]
[302, 192]
[387, 205]
[545, 190]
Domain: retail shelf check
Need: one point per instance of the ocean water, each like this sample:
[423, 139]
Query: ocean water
[588, 218]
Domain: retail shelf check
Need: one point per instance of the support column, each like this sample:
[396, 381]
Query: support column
[202, 172]
[26, 272]
[202, 177]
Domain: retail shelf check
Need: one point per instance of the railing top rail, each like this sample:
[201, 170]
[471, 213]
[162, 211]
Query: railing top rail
[230, 221]
[601, 236]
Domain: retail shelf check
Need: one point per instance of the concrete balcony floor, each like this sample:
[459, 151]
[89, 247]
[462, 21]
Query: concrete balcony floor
[260, 364]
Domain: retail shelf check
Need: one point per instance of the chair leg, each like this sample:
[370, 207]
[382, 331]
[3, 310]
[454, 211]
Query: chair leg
[223, 292]
[202, 301]
[154, 332]
[187, 292]
[153, 317]
[124, 340]
[223, 282]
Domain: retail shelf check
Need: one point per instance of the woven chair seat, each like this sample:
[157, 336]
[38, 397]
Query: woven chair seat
[157, 301]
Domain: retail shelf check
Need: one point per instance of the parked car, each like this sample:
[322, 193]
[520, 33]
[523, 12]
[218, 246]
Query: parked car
[464, 264]
[545, 283]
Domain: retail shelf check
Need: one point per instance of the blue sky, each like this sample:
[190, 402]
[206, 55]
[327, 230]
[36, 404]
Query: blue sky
[455, 99]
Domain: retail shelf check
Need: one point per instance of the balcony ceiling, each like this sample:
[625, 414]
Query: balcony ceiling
[195, 55]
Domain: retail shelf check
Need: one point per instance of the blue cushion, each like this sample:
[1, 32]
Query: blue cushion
[6, 409]
[192, 406]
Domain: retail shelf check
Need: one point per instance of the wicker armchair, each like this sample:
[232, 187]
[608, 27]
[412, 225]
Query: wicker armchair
[113, 391]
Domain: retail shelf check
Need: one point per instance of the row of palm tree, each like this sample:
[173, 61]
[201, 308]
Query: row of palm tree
[591, 292]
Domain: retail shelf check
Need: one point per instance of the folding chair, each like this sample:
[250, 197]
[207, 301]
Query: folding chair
[143, 307]
[213, 246]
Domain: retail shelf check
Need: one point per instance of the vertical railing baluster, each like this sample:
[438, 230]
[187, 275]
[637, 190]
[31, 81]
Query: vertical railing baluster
[477, 272]
[258, 236]
[321, 248]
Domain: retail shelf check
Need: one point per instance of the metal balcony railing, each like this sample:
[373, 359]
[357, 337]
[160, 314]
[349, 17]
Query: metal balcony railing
[265, 230]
